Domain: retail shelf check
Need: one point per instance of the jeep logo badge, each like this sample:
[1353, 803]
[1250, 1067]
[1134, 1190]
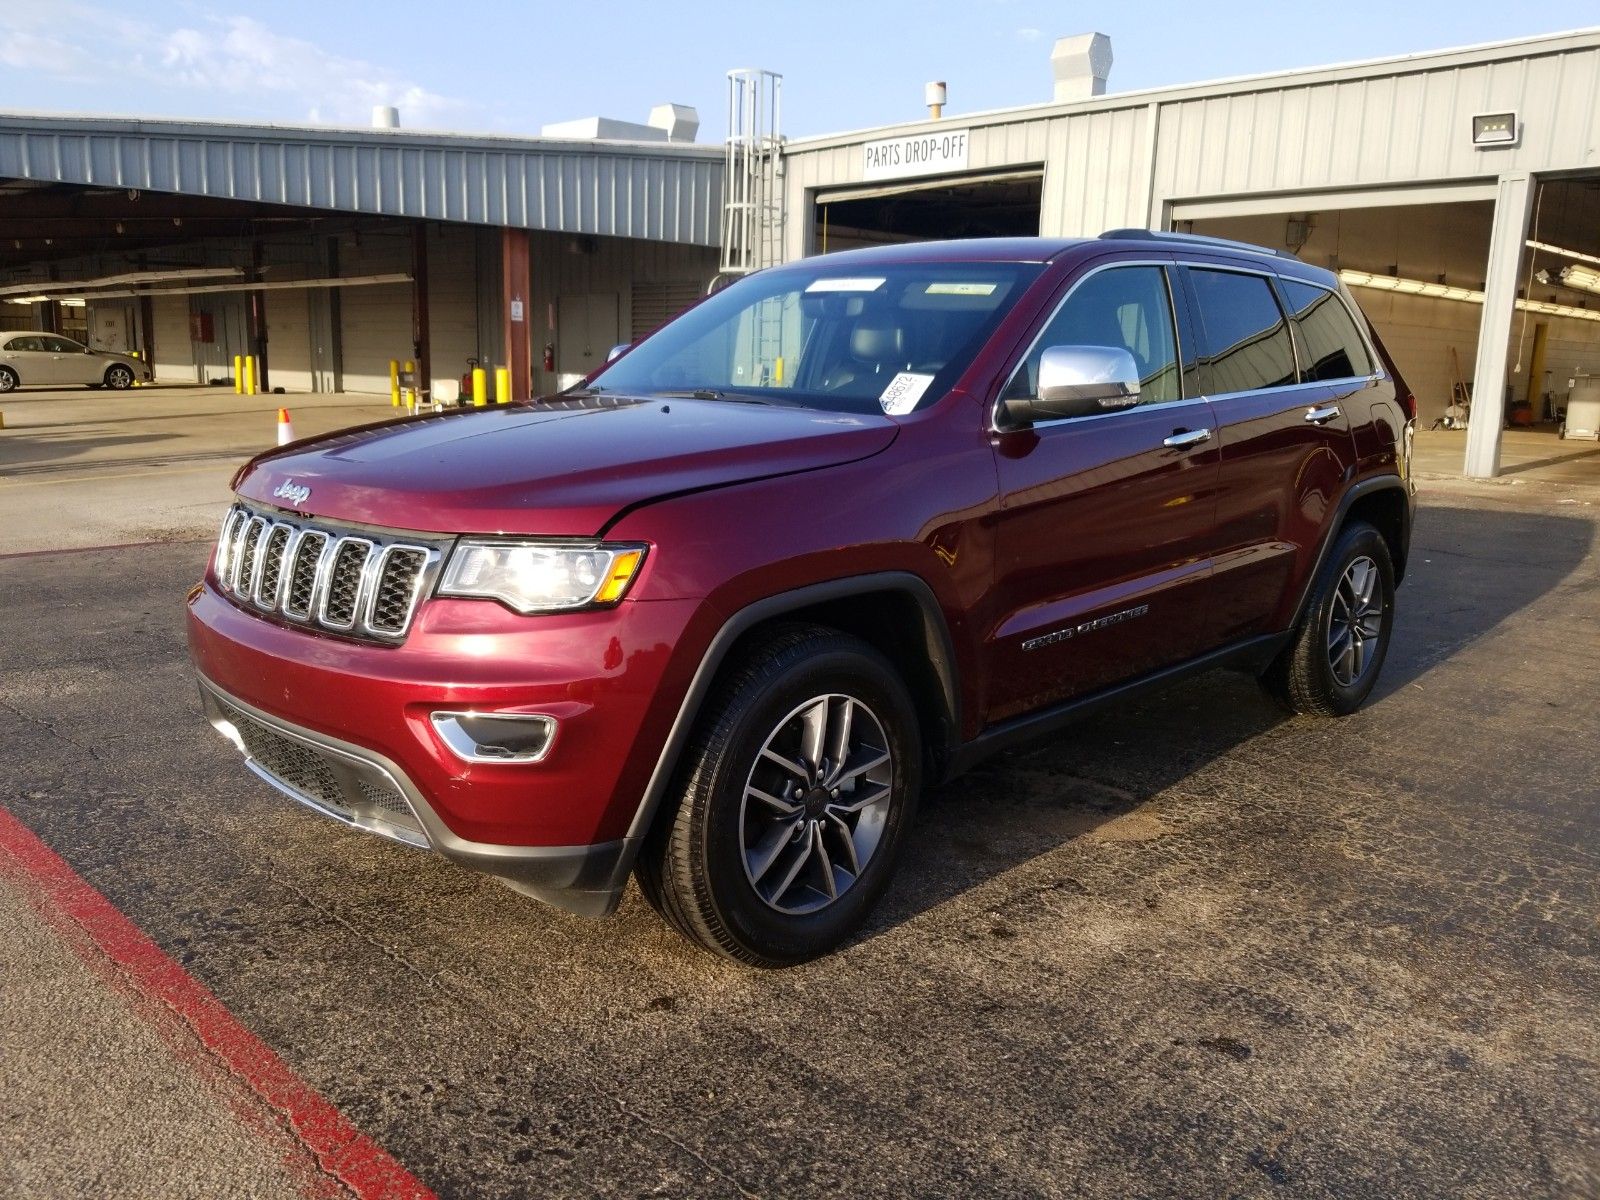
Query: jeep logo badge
[294, 493]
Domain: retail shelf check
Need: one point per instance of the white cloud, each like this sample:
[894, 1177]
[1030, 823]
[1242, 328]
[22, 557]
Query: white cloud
[1029, 34]
[233, 55]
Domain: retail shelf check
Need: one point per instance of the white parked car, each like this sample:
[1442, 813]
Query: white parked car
[50, 360]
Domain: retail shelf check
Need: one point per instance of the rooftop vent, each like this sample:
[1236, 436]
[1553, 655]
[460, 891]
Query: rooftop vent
[1081, 64]
[668, 123]
[385, 116]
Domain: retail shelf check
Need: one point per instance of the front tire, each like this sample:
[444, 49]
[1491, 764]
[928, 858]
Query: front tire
[793, 800]
[119, 378]
[1332, 665]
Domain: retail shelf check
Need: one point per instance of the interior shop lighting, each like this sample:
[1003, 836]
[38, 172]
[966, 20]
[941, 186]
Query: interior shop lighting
[1441, 291]
[1575, 255]
[1583, 278]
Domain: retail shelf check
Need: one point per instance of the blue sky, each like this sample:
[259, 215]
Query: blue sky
[509, 66]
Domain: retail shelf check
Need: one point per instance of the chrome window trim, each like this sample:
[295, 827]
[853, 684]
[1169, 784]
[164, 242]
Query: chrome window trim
[1166, 265]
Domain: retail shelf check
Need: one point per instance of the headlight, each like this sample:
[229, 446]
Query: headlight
[536, 577]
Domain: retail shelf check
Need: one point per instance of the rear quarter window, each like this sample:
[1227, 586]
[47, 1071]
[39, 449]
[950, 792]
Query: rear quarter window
[1332, 346]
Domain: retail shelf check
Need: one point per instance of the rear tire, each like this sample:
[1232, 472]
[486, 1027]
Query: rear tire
[791, 802]
[8, 380]
[1331, 665]
[118, 378]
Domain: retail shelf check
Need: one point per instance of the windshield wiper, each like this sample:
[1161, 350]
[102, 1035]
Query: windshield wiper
[715, 394]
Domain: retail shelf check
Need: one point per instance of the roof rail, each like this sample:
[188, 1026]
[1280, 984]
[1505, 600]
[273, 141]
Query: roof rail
[1191, 239]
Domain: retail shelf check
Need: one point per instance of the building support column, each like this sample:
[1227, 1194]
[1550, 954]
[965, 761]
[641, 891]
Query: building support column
[258, 322]
[419, 311]
[514, 305]
[1512, 205]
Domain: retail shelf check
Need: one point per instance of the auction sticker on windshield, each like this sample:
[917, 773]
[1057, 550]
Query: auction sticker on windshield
[903, 392]
[845, 285]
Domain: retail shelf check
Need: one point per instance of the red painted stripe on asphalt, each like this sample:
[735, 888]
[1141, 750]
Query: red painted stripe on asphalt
[341, 1149]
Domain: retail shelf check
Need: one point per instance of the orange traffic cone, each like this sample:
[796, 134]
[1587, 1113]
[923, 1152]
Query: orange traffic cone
[285, 427]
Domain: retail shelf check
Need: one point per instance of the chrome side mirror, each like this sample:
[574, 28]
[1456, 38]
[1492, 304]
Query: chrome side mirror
[617, 352]
[1078, 381]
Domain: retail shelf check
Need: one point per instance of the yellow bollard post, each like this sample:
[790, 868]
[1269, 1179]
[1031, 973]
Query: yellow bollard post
[480, 387]
[136, 354]
[394, 382]
[411, 388]
[502, 385]
[238, 374]
[249, 374]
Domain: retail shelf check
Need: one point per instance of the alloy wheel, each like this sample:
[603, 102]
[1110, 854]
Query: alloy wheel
[1355, 621]
[815, 804]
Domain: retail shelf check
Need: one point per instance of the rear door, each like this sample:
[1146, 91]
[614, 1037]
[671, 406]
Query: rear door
[1106, 520]
[35, 366]
[1286, 448]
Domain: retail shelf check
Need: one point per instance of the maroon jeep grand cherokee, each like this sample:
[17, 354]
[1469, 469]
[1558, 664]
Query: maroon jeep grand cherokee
[717, 615]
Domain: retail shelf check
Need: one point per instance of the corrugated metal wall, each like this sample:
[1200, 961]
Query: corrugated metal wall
[1118, 161]
[669, 193]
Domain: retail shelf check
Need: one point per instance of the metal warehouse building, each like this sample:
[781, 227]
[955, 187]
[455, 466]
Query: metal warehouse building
[1457, 191]
[329, 253]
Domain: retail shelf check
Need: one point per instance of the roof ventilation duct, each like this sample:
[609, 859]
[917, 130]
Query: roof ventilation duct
[385, 116]
[680, 121]
[1081, 65]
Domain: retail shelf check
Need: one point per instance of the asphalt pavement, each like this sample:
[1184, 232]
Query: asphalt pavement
[1190, 948]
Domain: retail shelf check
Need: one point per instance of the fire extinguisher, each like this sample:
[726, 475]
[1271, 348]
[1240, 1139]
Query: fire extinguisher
[549, 356]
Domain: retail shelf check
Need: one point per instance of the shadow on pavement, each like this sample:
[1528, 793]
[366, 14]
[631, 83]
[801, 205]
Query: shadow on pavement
[1470, 569]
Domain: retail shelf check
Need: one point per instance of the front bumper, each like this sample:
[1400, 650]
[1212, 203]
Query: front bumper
[368, 791]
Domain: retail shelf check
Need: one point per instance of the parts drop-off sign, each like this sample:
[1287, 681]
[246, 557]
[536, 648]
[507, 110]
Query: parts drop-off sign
[915, 154]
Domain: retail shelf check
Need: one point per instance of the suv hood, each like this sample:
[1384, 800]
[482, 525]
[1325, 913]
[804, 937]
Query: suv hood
[560, 467]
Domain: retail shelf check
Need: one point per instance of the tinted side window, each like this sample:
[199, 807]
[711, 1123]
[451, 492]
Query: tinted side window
[1333, 346]
[1126, 307]
[61, 345]
[26, 343]
[1245, 342]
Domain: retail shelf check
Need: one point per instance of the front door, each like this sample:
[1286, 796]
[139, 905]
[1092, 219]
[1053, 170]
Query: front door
[71, 362]
[1106, 522]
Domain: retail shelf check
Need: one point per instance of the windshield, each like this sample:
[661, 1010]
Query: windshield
[847, 339]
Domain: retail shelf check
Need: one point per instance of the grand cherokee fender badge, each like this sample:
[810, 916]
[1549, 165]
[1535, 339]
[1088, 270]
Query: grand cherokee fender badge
[1061, 635]
[294, 493]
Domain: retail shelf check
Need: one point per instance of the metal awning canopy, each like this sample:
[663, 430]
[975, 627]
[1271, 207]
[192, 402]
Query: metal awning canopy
[661, 192]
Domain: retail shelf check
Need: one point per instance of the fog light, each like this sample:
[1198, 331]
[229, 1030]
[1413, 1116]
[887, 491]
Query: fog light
[496, 737]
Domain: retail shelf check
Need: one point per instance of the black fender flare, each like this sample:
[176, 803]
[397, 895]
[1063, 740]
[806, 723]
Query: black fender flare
[936, 633]
[1354, 492]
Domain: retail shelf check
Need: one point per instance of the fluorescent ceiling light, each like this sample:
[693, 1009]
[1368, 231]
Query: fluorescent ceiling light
[1440, 291]
[1563, 251]
[1582, 278]
[1412, 287]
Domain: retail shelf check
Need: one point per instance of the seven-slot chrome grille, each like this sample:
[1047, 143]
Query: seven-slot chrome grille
[360, 584]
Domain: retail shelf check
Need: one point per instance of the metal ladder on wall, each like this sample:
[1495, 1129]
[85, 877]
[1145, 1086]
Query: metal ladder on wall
[753, 201]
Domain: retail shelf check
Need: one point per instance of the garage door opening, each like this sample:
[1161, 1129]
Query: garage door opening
[991, 206]
[1419, 273]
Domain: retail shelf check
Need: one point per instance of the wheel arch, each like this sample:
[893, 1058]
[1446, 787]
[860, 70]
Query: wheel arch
[1382, 501]
[895, 612]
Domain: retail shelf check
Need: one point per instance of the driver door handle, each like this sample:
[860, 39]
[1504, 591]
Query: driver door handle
[1322, 415]
[1184, 439]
